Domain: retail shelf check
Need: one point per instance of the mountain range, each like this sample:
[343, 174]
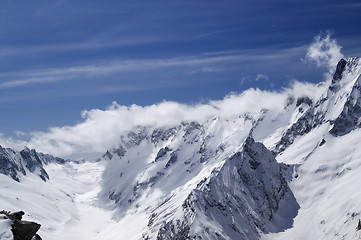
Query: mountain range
[280, 173]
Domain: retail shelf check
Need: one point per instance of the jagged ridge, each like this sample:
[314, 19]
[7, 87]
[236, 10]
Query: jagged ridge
[347, 72]
[26, 161]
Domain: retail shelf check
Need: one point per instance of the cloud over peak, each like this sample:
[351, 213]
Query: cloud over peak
[101, 128]
[325, 51]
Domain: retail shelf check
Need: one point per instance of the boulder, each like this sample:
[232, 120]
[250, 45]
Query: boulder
[22, 230]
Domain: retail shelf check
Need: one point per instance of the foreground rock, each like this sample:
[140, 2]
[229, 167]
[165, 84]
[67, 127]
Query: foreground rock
[22, 230]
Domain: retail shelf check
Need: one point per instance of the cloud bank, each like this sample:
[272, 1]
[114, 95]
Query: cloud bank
[101, 129]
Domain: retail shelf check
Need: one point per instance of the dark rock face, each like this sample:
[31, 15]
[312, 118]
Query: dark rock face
[305, 100]
[323, 141]
[339, 70]
[262, 175]
[120, 151]
[173, 159]
[341, 65]
[169, 231]
[180, 229]
[347, 121]
[37, 237]
[162, 152]
[30, 158]
[134, 138]
[9, 166]
[192, 132]
[22, 230]
[32, 161]
[254, 159]
[16, 215]
[160, 134]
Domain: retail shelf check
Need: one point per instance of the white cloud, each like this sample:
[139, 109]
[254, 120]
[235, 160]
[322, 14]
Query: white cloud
[202, 63]
[16, 83]
[245, 79]
[258, 77]
[262, 76]
[20, 133]
[325, 51]
[101, 129]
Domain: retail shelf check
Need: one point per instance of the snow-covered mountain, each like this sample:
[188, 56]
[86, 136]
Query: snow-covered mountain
[26, 161]
[195, 180]
[284, 173]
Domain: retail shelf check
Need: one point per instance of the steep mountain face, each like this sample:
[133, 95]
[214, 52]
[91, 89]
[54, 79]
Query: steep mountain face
[322, 146]
[349, 119]
[339, 105]
[282, 173]
[195, 180]
[235, 202]
[26, 161]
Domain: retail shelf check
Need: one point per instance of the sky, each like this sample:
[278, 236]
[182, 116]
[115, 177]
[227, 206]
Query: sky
[60, 60]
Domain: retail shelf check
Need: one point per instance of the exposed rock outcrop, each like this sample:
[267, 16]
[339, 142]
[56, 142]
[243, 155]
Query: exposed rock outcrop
[22, 230]
[339, 70]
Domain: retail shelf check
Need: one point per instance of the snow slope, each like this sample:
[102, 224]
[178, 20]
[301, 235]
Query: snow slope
[287, 172]
[66, 205]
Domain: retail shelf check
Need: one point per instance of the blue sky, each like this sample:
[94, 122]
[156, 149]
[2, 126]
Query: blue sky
[58, 58]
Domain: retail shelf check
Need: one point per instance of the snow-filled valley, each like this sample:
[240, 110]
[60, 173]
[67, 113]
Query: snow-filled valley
[286, 171]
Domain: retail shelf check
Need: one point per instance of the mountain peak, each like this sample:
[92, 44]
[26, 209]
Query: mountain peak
[339, 70]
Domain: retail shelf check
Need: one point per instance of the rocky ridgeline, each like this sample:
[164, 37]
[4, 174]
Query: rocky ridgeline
[347, 120]
[26, 161]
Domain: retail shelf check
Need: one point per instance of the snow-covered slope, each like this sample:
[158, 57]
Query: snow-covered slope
[281, 173]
